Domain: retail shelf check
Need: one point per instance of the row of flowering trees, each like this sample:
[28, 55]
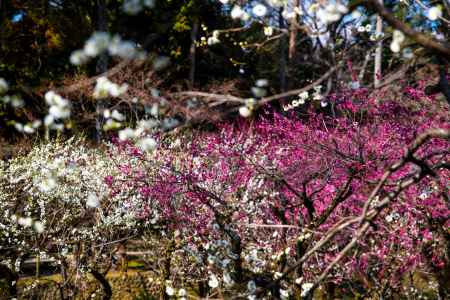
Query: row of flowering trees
[259, 209]
[254, 201]
[343, 190]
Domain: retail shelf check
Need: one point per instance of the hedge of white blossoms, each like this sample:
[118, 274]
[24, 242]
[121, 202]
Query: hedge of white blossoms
[57, 195]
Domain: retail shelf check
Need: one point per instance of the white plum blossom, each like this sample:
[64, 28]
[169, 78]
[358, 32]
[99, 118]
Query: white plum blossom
[133, 7]
[306, 287]
[124, 49]
[28, 129]
[59, 108]
[395, 47]
[92, 200]
[148, 124]
[258, 92]
[78, 57]
[182, 293]
[434, 13]
[117, 115]
[245, 111]
[389, 218]
[356, 14]
[284, 294]
[110, 124]
[25, 222]
[331, 13]
[398, 36]
[317, 96]
[101, 42]
[213, 282]
[147, 144]
[106, 114]
[161, 62]
[397, 39]
[16, 101]
[268, 31]
[38, 227]
[54, 99]
[298, 280]
[262, 83]
[3, 86]
[227, 279]
[127, 134]
[59, 112]
[237, 12]
[36, 124]
[47, 184]
[304, 95]
[213, 40]
[259, 10]
[170, 291]
[49, 120]
[105, 88]
[96, 44]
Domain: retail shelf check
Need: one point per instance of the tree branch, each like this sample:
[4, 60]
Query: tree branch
[422, 39]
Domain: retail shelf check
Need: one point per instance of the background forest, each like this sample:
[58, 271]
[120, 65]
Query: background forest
[224, 149]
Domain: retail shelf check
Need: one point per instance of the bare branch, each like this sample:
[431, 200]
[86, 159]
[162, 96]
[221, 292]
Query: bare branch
[424, 40]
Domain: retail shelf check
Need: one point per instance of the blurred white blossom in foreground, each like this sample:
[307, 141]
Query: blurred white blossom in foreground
[101, 42]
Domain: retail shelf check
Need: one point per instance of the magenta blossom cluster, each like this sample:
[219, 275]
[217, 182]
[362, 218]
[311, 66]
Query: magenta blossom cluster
[252, 197]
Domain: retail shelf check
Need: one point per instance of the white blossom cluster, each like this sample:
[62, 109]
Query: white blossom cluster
[113, 119]
[57, 194]
[140, 135]
[105, 88]
[434, 13]
[14, 100]
[259, 91]
[238, 13]
[61, 182]
[268, 30]
[331, 12]
[133, 7]
[59, 109]
[397, 39]
[214, 39]
[180, 294]
[28, 128]
[4, 86]
[304, 96]
[101, 42]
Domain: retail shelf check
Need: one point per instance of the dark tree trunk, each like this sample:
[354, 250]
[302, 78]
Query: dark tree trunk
[192, 53]
[282, 63]
[102, 63]
[105, 284]
[11, 277]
